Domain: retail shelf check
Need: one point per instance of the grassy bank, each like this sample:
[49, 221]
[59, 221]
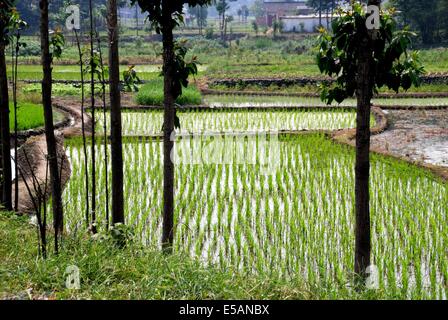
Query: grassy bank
[130, 273]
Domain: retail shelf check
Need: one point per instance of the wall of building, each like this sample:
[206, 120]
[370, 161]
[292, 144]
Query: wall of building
[302, 23]
[276, 9]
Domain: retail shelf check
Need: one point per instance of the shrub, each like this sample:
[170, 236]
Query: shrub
[209, 33]
[31, 49]
[152, 94]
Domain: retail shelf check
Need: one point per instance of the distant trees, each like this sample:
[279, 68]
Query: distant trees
[164, 16]
[29, 11]
[222, 6]
[428, 17]
[200, 14]
[363, 60]
[243, 13]
[257, 9]
[323, 6]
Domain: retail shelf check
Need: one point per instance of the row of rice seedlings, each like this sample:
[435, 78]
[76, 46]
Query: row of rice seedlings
[297, 221]
[244, 101]
[150, 122]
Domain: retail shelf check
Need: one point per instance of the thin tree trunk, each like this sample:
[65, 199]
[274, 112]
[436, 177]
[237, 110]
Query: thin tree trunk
[106, 158]
[115, 117]
[223, 25]
[6, 199]
[168, 144]
[136, 18]
[15, 59]
[83, 129]
[93, 228]
[49, 127]
[320, 13]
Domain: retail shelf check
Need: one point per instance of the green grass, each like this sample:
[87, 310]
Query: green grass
[134, 272]
[151, 94]
[29, 116]
[297, 220]
[71, 72]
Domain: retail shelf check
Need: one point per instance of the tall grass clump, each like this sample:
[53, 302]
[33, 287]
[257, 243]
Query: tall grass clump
[151, 94]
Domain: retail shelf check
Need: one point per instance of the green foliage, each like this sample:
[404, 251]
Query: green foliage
[182, 68]
[255, 27]
[209, 33]
[152, 94]
[94, 64]
[32, 49]
[390, 61]
[131, 79]
[8, 21]
[57, 43]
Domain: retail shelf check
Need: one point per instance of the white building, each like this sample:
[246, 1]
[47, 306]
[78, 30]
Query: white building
[303, 23]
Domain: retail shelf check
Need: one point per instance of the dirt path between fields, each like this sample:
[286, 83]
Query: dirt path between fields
[32, 158]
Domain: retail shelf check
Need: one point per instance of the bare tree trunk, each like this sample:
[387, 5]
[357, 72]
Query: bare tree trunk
[136, 18]
[168, 128]
[115, 117]
[93, 228]
[49, 127]
[365, 84]
[106, 157]
[15, 58]
[6, 199]
[362, 170]
[83, 129]
[320, 13]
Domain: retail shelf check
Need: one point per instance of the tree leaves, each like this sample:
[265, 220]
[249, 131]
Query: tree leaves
[338, 52]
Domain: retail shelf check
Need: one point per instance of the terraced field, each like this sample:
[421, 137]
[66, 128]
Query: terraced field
[287, 212]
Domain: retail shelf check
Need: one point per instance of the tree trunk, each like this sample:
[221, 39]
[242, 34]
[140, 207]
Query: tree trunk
[362, 170]
[320, 13]
[136, 18]
[93, 228]
[6, 182]
[115, 116]
[49, 127]
[168, 128]
[15, 61]
[223, 25]
[83, 131]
